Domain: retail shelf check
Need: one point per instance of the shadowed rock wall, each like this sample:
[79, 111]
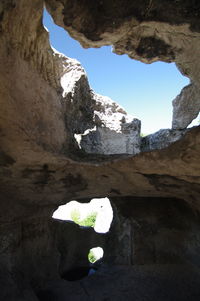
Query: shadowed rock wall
[38, 252]
[154, 231]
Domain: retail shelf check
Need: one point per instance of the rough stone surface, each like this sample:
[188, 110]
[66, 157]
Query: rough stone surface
[186, 107]
[170, 231]
[78, 99]
[116, 132]
[98, 123]
[39, 251]
[143, 282]
[161, 139]
[41, 166]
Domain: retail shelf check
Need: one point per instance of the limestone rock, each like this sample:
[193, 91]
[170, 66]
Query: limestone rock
[186, 107]
[77, 100]
[99, 124]
[111, 114]
[116, 132]
[161, 139]
[38, 121]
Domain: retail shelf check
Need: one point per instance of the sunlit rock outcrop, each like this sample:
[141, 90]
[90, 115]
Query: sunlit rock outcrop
[161, 139]
[186, 107]
[99, 124]
[116, 132]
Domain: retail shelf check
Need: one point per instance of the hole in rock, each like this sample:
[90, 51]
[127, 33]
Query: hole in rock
[145, 91]
[78, 273]
[97, 213]
[95, 254]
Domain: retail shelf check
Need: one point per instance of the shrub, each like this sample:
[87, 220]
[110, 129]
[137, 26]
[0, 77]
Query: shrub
[89, 221]
[75, 216]
[91, 257]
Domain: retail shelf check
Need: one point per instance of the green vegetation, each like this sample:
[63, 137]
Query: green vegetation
[75, 216]
[89, 221]
[143, 135]
[91, 257]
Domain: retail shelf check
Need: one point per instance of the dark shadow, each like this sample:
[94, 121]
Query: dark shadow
[46, 295]
[76, 274]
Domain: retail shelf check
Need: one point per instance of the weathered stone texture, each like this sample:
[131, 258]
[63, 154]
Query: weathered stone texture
[170, 231]
[186, 107]
[41, 166]
[161, 139]
[116, 132]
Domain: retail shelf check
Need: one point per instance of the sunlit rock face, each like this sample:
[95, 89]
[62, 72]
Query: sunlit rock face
[161, 139]
[45, 100]
[99, 124]
[186, 107]
[116, 132]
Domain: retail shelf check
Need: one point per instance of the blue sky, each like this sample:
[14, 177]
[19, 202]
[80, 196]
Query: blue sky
[145, 90]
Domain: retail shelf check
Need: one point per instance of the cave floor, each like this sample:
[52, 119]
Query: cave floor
[138, 283]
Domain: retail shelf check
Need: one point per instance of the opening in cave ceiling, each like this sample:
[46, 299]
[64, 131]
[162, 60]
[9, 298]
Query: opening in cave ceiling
[145, 91]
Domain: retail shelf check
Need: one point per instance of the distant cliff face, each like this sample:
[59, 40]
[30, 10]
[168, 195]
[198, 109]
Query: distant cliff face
[99, 124]
[154, 183]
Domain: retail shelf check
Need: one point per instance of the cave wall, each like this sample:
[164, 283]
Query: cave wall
[37, 252]
[154, 231]
[41, 166]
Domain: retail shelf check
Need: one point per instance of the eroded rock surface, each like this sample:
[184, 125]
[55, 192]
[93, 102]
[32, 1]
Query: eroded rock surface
[186, 107]
[116, 132]
[99, 124]
[41, 166]
[161, 139]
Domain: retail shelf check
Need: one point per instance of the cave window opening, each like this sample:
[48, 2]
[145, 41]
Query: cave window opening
[78, 273]
[97, 213]
[95, 254]
[145, 91]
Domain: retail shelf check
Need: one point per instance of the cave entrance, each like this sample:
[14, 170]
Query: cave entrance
[145, 91]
